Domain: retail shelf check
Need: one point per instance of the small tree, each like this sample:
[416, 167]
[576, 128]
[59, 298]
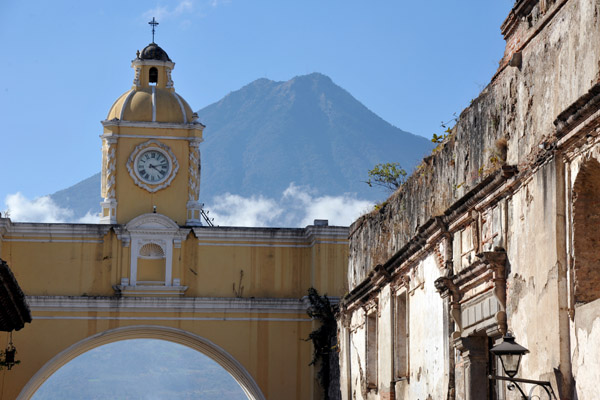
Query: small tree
[389, 175]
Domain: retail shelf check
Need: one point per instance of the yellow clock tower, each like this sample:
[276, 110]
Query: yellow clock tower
[150, 154]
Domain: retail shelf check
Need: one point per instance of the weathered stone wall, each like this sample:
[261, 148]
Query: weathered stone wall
[508, 208]
[428, 375]
[507, 123]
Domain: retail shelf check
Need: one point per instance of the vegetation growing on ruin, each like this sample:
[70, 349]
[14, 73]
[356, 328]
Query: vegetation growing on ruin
[388, 175]
[324, 338]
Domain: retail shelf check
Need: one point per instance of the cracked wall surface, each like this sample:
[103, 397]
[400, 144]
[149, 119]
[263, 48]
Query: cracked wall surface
[508, 207]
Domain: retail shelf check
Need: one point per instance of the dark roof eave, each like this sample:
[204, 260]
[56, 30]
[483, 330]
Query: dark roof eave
[14, 311]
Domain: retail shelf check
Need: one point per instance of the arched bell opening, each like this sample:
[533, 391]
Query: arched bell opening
[586, 235]
[153, 76]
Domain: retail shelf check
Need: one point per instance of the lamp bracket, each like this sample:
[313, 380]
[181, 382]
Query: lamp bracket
[544, 384]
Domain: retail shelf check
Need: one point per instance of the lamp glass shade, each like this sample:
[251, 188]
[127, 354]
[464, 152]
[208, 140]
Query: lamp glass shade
[510, 363]
[510, 354]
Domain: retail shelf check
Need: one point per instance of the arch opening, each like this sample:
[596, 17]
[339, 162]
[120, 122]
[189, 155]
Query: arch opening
[164, 334]
[153, 75]
[586, 232]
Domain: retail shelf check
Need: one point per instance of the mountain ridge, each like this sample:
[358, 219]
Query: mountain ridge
[268, 134]
[321, 121]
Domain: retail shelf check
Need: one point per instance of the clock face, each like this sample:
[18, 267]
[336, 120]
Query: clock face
[152, 166]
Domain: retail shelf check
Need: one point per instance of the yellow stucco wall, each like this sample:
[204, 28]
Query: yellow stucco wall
[73, 268]
[90, 264]
[134, 200]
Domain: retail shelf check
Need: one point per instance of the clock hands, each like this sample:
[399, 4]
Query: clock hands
[155, 167]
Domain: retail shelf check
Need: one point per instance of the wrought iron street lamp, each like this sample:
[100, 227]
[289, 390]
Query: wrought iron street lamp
[7, 357]
[510, 353]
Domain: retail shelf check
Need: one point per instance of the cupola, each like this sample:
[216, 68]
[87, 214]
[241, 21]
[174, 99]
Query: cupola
[152, 98]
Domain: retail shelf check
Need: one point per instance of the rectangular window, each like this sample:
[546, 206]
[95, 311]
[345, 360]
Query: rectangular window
[372, 349]
[401, 337]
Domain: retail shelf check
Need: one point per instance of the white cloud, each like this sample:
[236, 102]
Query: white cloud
[182, 10]
[41, 209]
[164, 12]
[234, 210]
[297, 207]
[89, 218]
[217, 3]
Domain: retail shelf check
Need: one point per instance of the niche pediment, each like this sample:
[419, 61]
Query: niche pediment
[152, 222]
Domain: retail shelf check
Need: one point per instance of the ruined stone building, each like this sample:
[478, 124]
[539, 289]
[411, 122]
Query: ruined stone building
[498, 230]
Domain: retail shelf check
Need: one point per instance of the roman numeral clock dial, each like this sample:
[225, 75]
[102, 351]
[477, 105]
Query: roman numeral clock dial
[152, 166]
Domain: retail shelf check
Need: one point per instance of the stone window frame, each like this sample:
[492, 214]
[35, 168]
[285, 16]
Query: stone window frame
[492, 229]
[466, 251]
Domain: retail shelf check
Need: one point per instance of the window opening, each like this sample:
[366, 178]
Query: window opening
[401, 337]
[153, 75]
[372, 349]
[586, 236]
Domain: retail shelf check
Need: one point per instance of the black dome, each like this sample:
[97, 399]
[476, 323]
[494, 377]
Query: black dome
[154, 52]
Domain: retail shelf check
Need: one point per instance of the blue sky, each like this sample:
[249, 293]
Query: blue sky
[412, 63]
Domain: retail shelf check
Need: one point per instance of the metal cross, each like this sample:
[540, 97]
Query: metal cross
[153, 23]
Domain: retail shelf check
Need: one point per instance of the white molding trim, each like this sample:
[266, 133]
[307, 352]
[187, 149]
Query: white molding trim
[270, 235]
[205, 346]
[235, 319]
[149, 124]
[301, 246]
[158, 229]
[155, 63]
[56, 230]
[190, 139]
[181, 107]
[127, 100]
[219, 305]
[146, 290]
[153, 104]
[136, 79]
[51, 240]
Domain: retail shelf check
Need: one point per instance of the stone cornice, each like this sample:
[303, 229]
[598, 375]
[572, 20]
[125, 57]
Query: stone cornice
[310, 234]
[520, 10]
[112, 137]
[578, 113]
[156, 63]
[149, 124]
[56, 230]
[170, 304]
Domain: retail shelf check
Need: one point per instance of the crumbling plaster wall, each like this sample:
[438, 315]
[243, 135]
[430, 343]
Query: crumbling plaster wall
[429, 352]
[533, 306]
[505, 124]
[585, 326]
[585, 339]
[428, 371]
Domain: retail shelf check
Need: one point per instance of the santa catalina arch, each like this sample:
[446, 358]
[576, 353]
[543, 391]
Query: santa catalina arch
[150, 269]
